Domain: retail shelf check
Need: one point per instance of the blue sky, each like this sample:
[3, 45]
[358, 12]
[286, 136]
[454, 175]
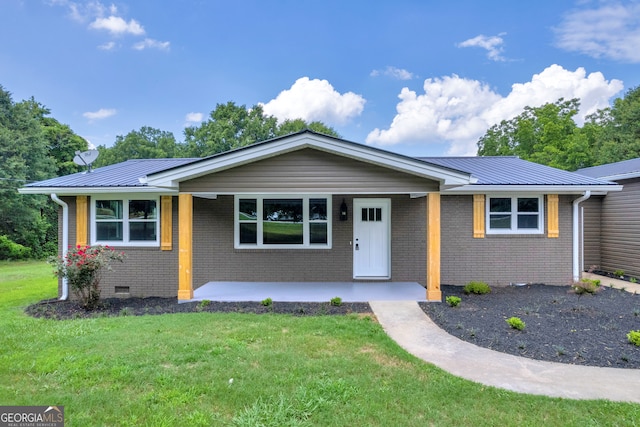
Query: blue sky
[414, 77]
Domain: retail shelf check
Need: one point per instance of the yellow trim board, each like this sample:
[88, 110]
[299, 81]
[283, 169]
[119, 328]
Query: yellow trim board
[185, 244]
[82, 208]
[478, 216]
[166, 223]
[433, 247]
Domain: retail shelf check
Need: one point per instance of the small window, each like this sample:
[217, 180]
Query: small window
[132, 222]
[515, 215]
[282, 222]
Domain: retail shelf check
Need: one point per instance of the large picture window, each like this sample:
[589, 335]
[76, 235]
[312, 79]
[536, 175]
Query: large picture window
[515, 215]
[282, 222]
[126, 222]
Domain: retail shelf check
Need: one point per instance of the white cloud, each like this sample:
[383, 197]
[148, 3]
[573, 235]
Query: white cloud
[192, 118]
[393, 72]
[101, 114]
[459, 111]
[313, 100]
[151, 43]
[117, 25]
[609, 31]
[492, 44]
[107, 46]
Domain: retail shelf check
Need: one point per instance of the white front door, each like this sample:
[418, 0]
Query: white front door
[371, 238]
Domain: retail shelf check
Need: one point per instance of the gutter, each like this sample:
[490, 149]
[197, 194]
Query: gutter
[65, 241]
[576, 234]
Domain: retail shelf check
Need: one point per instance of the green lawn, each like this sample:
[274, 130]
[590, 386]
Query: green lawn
[206, 369]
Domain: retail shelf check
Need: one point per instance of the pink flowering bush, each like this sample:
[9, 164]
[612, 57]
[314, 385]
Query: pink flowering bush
[82, 266]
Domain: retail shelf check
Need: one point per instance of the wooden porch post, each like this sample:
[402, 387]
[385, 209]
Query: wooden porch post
[185, 245]
[433, 247]
[81, 220]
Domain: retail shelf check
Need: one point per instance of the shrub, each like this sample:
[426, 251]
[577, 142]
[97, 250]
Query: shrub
[203, 304]
[478, 288]
[516, 323]
[634, 337]
[12, 250]
[82, 266]
[586, 286]
[267, 302]
[336, 301]
[453, 301]
[618, 273]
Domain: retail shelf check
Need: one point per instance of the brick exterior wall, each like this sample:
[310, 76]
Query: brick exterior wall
[501, 259]
[215, 258]
[497, 260]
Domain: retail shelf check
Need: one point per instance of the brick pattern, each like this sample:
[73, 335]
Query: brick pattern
[497, 260]
[215, 258]
[502, 259]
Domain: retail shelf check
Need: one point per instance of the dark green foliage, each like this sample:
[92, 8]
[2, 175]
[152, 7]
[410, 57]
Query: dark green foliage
[10, 250]
[267, 302]
[336, 301]
[147, 143]
[478, 288]
[24, 219]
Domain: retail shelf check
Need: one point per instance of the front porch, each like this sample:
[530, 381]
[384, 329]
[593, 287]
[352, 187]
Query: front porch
[310, 291]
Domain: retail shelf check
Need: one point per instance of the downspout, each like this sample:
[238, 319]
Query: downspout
[576, 234]
[65, 240]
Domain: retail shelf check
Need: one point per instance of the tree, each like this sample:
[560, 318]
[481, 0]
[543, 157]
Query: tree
[147, 143]
[546, 135]
[292, 126]
[25, 158]
[619, 138]
[231, 126]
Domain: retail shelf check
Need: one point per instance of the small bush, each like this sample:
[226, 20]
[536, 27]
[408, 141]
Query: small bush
[267, 302]
[453, 301]
[634, 337]
[479, 288]
[516, 323]
[203, 304]
[13, 251]
[618, 273]
[336, 301]
[586, 286]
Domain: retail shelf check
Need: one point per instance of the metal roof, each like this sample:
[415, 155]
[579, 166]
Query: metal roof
[513, 171]
[125, 174]
[614, 171]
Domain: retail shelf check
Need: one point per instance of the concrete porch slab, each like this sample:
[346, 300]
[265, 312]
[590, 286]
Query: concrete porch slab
[311, 291]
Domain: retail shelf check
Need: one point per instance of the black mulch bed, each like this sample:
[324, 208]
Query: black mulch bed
[560, 326]
[54, 309]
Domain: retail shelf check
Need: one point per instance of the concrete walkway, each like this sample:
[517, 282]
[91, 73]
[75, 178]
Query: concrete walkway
[412, 329]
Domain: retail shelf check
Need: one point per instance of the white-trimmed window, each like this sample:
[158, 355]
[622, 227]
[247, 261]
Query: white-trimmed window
[125, 221]
[515, 215]
[283, 221]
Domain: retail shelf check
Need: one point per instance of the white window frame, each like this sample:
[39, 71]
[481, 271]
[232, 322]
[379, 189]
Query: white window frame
[125, 221]
[259, 221]
[514, 214]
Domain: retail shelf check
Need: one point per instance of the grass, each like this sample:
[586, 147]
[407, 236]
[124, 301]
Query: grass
[205, 369]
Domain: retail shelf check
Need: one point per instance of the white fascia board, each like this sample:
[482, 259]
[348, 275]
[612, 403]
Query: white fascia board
[535, 189]
[172, 178]
[620, 176]
[81, 191]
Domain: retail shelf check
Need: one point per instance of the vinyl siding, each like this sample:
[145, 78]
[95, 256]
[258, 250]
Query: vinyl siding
[591, 231]
[309, 170]
[620, 236]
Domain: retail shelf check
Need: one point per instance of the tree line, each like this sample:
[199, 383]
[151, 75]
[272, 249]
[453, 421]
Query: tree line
[549, 135]
[34, 147]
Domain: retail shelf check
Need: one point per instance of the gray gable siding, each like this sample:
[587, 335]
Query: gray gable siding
[309, 170]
